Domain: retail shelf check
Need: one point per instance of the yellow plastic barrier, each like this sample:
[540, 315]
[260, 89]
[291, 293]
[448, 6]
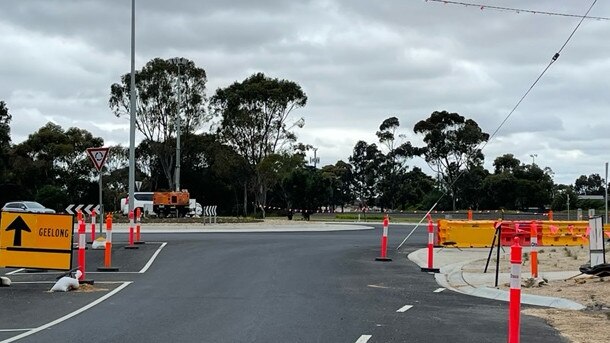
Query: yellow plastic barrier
[465, 234]
[479, 233]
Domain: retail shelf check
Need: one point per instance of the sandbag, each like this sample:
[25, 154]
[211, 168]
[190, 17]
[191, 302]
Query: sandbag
[4, 281]
[66, 283]
[99, 243]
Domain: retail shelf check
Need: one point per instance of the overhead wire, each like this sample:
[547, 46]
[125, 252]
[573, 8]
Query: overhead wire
[516, 10]
[484, 144]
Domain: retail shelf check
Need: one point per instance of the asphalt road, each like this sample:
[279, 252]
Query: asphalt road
[270, 287]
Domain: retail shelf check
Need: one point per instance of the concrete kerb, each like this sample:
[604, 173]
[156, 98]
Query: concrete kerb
[452, 277]
[242, 227]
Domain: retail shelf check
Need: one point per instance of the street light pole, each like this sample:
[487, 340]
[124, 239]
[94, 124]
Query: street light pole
[178, 61]
[533, 156]
[606, 222]
[132, 110]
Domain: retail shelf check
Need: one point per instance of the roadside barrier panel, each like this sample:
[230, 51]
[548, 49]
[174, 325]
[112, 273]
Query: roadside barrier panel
[480, 233]
[465, 234]
[514, 311]
[384, 241]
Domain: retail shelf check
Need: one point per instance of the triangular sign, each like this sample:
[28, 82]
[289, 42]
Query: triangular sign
[98, 156]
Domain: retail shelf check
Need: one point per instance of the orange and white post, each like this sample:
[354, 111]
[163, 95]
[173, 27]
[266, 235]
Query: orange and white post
[93, 214]
[430, 268]
[108, 249]
[131, 241]
[138, 222]
[81, 249]
[534, 249]
[514, 312]
[384, 241]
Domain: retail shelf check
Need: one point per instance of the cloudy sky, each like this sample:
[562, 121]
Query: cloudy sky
[359, 61]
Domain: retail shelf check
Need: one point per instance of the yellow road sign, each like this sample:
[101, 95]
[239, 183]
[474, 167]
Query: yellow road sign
[41, 241]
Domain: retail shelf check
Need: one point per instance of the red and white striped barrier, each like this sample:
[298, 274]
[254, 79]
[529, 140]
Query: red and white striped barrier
[131, 233]
[384, 241]
[138, 224]
[514, 312]
[82, 244]
[430, 268]
[108, 248]
[534, 249]
[93, 214]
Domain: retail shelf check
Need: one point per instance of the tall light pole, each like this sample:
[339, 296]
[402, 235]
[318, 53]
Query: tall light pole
[533, 156]
[606, 198]
[132, 110]
[179, 62]
[315, 160]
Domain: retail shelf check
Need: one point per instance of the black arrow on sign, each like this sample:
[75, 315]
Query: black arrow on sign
[18, 225]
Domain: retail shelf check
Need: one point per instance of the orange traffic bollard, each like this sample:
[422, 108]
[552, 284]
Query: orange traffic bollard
[469, 214]
[138, 222]
[108, 251]
[384, 241]
[131, 245]
[430, 268]
[534, 249]
[551, 215]
[514, 312]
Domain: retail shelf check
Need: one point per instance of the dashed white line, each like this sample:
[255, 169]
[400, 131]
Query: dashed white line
[364, 339]
[404, 308]
[152, 259]
[438, 290]
[67, 316]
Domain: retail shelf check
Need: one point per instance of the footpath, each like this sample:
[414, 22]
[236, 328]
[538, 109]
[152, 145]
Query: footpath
[455, 276]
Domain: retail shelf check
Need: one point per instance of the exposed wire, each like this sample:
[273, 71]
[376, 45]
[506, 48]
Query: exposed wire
[515, 10]
[483, 145]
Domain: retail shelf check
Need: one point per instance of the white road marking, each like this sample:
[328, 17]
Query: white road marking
[438, 290]
[404, 308]
[362, 339]
[52, 282]
[152, 259]
[68, 316]
[14, 330]
[377, 286]
[15, 271]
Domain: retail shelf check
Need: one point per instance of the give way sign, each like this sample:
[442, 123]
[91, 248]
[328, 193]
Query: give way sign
[98, 156]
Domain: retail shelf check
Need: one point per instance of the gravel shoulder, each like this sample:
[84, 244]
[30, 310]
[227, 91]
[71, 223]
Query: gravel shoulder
[590, 325]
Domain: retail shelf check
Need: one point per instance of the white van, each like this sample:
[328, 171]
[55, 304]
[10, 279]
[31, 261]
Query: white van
[142, 200]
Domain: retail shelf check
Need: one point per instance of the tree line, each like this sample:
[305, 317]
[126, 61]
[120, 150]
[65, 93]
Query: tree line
[240, 151]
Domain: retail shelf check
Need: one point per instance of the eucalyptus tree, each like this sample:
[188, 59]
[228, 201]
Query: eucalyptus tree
[5, 139]
[54, 162]
[365, 161]
[254, 120]
[164, 91]
[453, 143]
[393, 167]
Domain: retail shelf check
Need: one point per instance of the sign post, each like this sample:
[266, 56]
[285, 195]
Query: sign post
[98, 157]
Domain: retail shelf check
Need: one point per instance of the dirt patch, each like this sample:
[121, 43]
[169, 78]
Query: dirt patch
[589, 325]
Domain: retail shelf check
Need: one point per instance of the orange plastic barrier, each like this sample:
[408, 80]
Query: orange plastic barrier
[479, 233]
